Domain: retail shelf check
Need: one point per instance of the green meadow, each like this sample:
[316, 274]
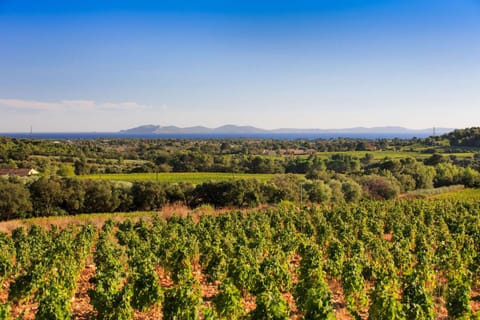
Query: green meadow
[177, 177]
[461, 195]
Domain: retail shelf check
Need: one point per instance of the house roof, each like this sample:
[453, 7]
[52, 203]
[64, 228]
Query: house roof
[17, 172]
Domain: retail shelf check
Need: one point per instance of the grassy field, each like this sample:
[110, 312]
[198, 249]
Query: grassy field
[176, 177]
[466, 194]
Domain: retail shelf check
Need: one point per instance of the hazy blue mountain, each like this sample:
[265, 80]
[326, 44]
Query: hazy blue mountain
[372, 130]
[230, 129]
[226, 129]
[146, 129]
[246, 130]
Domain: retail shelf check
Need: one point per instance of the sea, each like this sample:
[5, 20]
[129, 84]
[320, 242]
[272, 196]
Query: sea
[281, 136]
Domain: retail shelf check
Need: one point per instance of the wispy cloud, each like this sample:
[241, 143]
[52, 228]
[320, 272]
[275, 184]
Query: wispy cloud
[68, 105]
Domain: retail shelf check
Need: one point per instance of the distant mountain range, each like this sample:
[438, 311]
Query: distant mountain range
[249, 130]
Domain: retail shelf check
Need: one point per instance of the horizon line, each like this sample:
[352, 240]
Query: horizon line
[31, 131]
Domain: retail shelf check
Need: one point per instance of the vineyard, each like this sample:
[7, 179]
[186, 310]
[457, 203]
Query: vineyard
[417, 259]
[178, 177]
[466, 194]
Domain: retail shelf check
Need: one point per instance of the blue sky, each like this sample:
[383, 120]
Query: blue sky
[109, 65]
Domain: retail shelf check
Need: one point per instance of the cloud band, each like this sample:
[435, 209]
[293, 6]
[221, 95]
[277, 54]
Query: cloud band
[88, 105]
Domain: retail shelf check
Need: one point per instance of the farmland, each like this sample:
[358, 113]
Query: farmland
[127, 175]
[467, 194]
[177, 177]
[229, 230]
[414, 259]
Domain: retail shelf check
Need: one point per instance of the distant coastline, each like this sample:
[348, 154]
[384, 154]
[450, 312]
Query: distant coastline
[230, 129]
[287, 136]
[240, 132]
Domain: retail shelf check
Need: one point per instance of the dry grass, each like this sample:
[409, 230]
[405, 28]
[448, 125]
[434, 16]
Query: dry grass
[62, 222]
[98, 219]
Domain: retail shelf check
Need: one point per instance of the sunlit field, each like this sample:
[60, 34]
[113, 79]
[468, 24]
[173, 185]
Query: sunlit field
[177, 177]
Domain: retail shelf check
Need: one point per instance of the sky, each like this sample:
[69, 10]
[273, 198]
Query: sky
[108, 65]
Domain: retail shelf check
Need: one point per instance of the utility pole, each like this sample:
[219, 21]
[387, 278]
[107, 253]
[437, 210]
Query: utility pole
[301, 193]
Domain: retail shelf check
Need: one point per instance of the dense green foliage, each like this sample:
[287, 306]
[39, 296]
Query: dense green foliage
[392, 259]
[112, 175]
[469, 137]
[50, 196]
[47, 267]
[15, 200]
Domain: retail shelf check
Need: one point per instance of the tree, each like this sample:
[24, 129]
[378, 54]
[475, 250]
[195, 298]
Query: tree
[100, 197]
[14, 200]
[470, 177]
[244, 193]
[162, 158]
[317, 170]
[446, 174]
[80, 166]
[238, 193]
[423, 176]
[258, 164]
[191, 161]
[352, 191]
[148, 196]
[343, 163]
[378, 188]
[337, 193]
[178, 192]
[74, 195]
[319, 192]
[469, 137]
[288, 186]
[47, 195]
[434, 159]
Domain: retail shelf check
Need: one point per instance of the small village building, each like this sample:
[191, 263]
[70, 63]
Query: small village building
[24, 172]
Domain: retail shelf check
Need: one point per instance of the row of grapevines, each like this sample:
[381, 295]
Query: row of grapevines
[47, 268]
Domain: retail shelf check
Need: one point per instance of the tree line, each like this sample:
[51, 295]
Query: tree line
[53, 195]
[79, 157]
